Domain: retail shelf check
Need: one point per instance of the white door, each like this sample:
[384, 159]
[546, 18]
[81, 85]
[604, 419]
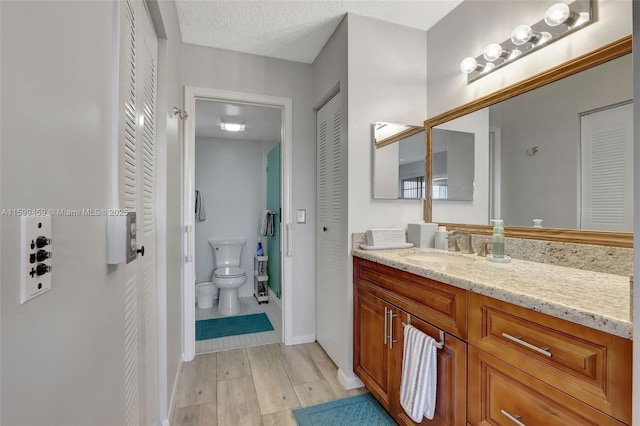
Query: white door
[607, 169]
[332, 258]
[136, 192]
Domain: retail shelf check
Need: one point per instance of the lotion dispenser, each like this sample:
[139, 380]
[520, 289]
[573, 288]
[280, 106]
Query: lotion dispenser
[498, 239]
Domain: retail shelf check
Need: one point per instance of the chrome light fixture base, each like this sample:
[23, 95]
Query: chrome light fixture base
[542, 34]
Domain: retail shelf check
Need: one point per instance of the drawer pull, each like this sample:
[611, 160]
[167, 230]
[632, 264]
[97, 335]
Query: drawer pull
[518, 339]
[513, 418]
[391, 317]
[386, 325]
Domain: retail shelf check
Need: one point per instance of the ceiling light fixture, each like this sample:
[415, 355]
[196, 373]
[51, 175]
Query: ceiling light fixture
[559, 20]
[232, 125]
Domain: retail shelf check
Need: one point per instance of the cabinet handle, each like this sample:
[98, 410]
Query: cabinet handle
[518, 340]
[386, 325]
[391, 317]
[513, 418]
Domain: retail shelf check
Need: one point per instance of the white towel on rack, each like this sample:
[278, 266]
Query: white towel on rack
[419, 374]
[200, 213]
[265, 226]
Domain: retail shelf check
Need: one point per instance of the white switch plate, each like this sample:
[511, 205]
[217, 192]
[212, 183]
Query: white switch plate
[32, 285]
[301, 216]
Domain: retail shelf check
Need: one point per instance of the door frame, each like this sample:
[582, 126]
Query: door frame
[191, 95]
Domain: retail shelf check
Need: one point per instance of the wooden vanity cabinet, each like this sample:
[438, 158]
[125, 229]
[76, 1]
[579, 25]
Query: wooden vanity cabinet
[379, 342]
[519, 366]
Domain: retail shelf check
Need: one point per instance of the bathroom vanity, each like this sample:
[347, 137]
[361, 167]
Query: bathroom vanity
[524, 342]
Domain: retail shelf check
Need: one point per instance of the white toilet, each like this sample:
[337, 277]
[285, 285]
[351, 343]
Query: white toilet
[228, 276]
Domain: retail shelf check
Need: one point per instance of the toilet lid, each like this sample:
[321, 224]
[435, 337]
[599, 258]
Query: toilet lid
[228, 272]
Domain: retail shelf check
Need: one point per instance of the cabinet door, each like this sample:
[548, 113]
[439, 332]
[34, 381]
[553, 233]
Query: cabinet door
[500, 394]
[371, 353]
[451, 398]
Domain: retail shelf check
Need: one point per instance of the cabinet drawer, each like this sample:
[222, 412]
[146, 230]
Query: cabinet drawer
[590, 365]
[442, 305]
[500, 394]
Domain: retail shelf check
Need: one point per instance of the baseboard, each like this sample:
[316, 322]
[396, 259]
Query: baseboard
[174, 392]
[349, 382]
[274, 298]
[299, 340]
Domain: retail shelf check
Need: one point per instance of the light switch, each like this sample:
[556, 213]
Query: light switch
[36, 256]
[301, 216]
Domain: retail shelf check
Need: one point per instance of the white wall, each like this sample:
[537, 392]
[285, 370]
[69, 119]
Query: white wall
[635, 403]
[225, 70]
[230, 176]
[472, 25]
[63, 352]
[170, 148]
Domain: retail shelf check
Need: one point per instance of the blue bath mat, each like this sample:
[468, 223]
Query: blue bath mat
[352, 411]
[232, 326]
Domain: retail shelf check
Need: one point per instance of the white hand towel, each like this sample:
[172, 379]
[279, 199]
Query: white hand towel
[419, 374]
[264, 222]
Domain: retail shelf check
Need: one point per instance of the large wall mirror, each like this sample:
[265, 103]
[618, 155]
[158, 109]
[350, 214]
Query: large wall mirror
[556, 147]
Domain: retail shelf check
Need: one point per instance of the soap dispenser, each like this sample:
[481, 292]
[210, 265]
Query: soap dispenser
[498, 239]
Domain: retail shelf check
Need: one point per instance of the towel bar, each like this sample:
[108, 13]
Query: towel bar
[439, 344]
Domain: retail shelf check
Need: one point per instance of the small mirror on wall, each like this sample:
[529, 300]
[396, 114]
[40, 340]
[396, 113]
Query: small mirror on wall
[399, 167]
[452, 165]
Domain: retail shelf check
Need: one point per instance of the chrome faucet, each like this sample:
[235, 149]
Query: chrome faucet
[468, 248]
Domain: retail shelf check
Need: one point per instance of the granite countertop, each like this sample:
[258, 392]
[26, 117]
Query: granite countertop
[593, 299]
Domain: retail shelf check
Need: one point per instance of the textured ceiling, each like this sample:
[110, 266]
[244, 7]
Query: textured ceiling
[292, 30]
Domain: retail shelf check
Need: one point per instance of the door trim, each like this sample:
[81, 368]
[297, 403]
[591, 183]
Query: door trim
[191, 94]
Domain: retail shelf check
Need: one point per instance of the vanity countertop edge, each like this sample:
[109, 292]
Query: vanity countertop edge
[597, 300]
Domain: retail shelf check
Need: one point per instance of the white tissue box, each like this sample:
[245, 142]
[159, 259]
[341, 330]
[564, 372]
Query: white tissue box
[386, 237]
[422, 234]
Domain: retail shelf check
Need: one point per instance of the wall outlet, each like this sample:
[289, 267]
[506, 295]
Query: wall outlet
[36, 256]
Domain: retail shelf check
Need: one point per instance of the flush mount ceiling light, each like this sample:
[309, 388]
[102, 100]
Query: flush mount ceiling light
[559, 20]
[231, 125]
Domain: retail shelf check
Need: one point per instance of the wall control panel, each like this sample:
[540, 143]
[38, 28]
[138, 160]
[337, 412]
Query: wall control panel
[131, 232]
[121, 239]
[36, 256]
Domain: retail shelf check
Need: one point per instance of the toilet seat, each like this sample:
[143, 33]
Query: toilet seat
[229, 272]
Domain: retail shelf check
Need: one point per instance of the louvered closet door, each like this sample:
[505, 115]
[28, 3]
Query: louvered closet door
[137, 186]
[607, 169]
[331, 249]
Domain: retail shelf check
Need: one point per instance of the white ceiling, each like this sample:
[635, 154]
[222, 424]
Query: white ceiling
[295, 30]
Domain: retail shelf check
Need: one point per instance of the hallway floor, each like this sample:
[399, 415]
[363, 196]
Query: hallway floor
[255, 386]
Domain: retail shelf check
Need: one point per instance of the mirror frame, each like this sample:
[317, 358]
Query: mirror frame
[602, 238]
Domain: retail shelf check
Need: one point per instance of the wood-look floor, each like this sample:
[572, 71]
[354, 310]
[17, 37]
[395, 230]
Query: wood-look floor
[255, 386]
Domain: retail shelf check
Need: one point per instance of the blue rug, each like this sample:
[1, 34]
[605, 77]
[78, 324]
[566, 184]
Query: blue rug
[356, 410]
[232, 326]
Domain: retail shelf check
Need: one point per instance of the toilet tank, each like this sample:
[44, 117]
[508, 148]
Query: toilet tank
[226, 252]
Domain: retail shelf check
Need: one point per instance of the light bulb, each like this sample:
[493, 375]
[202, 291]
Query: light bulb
[515, 53]
[488, 67]
[493, 52]
[521, 34]
[468, 65]
[557, 14]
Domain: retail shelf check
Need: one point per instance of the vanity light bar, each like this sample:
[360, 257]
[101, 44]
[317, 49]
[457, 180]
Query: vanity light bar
[559, 20]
